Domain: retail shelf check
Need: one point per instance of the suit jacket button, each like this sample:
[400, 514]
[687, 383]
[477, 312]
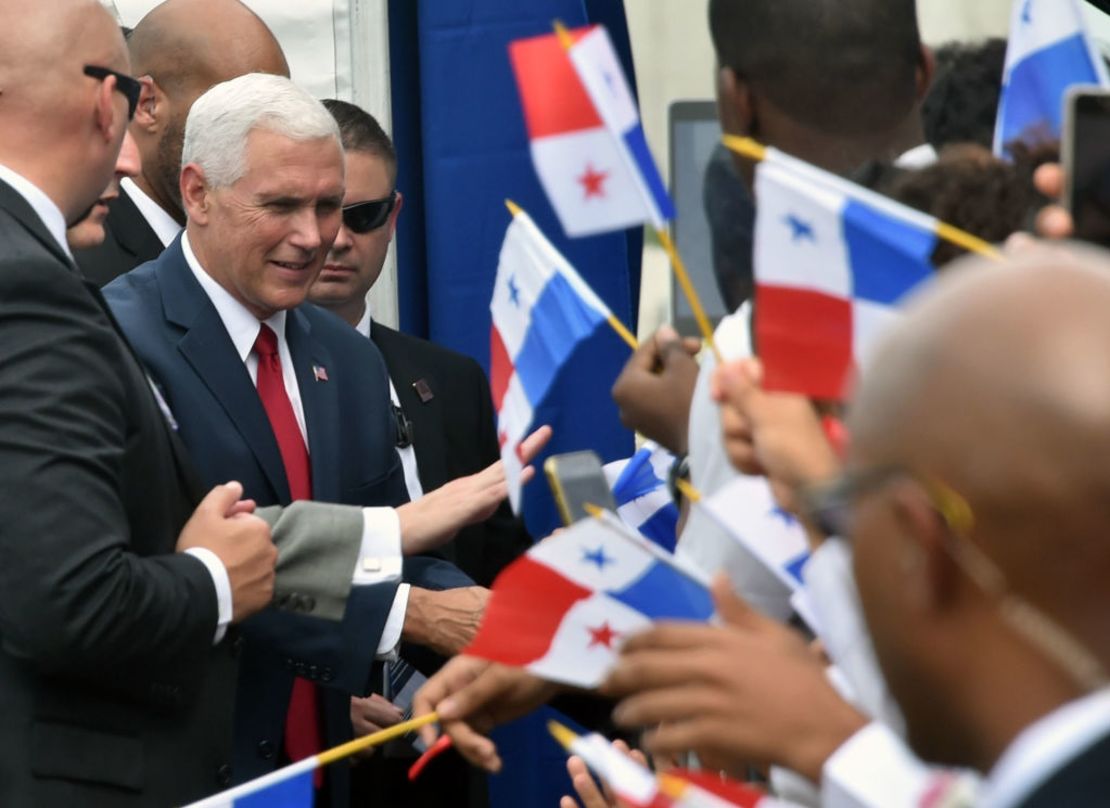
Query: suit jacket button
[309, 603]
[223, 776]
[265, 750]
[327, 675]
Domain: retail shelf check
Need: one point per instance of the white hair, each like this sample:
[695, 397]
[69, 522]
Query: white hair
[221, 120]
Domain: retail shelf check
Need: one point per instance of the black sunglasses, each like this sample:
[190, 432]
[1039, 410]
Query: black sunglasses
[131, 87]
[362, 217]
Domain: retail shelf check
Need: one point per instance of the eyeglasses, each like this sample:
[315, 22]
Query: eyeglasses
[829, 507]
[131, 87]
[362, 217]
[404, 428]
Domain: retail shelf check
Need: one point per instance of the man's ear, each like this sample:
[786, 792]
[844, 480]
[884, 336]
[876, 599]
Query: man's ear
[152, 106]
[195, 197]
[735, 106]
[926, 71]
[395, 213]
[924, 565]
[109, 121]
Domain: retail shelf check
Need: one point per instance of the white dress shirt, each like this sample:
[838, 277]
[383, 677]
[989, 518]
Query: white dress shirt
[408, 453]
[160, 222]
[1044, 747]
[381, 531]
[43, 206]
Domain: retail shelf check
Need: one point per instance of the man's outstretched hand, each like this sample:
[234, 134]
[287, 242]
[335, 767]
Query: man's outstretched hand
[435, 518]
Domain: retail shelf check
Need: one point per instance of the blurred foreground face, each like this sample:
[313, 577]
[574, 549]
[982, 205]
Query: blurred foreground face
[89, 232]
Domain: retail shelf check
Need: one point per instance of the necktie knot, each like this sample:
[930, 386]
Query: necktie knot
[265, 345]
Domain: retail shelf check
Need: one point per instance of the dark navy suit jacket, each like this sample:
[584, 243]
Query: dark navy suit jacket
[351, 436]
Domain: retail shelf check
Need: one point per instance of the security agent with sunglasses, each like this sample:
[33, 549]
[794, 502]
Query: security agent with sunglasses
[442, 403]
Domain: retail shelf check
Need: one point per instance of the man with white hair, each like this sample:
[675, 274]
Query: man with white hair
[294, 402]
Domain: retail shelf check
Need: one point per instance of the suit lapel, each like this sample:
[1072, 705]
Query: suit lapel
[320, 399]
[209, 350]
[429, 441]
[12, 201]
[131, 229]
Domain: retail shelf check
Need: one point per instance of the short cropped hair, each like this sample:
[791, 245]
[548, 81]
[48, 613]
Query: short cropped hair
[361, 132]
[842, 66]
[222, 119]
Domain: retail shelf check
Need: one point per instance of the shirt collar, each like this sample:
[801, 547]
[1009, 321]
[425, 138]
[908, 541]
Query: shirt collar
[921, 156]
[43, 206]
[363, 326]
[163, 225]
[1045, 746]
[240, 324]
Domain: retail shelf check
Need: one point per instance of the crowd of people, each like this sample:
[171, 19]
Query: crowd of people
[242, 521]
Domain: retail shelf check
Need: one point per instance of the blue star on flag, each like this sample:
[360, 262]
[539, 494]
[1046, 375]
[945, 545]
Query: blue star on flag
[514, 291]
[597, 557]
[801, 230]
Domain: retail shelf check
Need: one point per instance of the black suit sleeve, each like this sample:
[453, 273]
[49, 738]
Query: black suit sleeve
[76, 596]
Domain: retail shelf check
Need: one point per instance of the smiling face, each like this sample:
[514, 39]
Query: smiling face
[356, 259]
[265, 237]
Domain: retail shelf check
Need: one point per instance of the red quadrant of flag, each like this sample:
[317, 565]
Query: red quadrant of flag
[553, 97]
[528, 603]
[804, 340]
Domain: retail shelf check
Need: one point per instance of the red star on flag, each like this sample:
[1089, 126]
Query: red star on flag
[602, 635]
[592, 181]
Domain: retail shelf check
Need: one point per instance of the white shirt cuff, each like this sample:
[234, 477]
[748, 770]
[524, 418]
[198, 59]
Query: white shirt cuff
[391, 634]
[222, 582]
[875, 768]
[379, 558]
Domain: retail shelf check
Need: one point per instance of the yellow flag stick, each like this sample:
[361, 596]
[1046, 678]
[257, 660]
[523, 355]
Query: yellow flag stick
[374, 739]
[749, 148]
[617, 325]
[683, 277]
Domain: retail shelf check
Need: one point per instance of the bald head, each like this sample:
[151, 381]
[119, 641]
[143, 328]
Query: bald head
[998, 383]
[58, 127]
[187, 47]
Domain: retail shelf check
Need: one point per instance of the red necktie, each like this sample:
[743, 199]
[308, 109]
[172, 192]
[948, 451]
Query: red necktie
[302, 724]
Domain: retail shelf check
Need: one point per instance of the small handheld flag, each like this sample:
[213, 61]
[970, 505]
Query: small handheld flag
[639, 486]
[746, 509]
[587, 143]
[564, 609]
[832, 263]
[639, 787]
[1048, 52]
[541, 311]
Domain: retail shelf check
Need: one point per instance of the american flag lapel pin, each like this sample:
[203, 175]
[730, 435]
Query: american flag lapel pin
[320, 373]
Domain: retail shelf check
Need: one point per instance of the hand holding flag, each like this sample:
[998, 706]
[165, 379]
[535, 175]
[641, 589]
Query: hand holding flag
[778, 707]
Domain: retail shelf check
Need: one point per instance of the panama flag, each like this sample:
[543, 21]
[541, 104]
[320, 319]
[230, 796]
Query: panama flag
[748, 511]
[541, 310]
[587, 143]
[644, 503]
[832, 262]
[563, 609]
[1049, 51]
[637, 786]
